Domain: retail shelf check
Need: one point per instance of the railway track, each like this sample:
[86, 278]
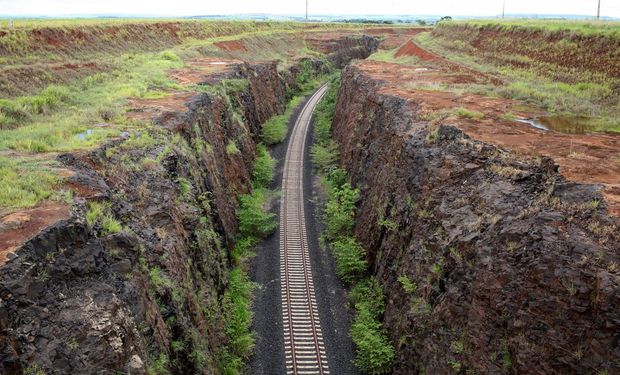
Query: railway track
[303, 340]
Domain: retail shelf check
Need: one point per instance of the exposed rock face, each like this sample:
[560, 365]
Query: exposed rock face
[75, 300]
[515, 269]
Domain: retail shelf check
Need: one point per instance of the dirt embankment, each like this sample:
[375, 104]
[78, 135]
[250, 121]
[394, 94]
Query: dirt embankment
[556, 54]
[512, 268]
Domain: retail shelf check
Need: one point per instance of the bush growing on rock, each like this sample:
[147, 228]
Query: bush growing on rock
[349, 256]
[253, 220]
[263, 167]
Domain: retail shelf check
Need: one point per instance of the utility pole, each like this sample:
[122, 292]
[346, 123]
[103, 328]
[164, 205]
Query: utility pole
[504, 9]
[306, 10]
[598, 11]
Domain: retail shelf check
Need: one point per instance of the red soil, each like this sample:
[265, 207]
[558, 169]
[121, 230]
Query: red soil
[202, 70]
[412, 49]
[585, 158]
[231, 45]
[18, 227]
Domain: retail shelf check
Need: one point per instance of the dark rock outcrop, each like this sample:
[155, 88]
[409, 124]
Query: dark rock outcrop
[78, 300]
[515, 269]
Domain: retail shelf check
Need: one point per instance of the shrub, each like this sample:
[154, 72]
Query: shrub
[408, 285]
[237, 301]
[375, 354]
[12, 114]
[340, 210]
[138, 141]
[369, 292]
[263, 167]
[324, 155]
[232, 149]
[235, 85]
[274, 130]
[305, 73]
[169, 56]
[350, 259]
[159, 279]
[253, 220]
[324, 113]
[185, 187]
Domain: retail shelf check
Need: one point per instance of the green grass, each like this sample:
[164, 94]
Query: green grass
[100, 215]
[558, 89]
[64, 118]
[25, 182]
[59, 114]
[592, 27]
[390, 57]
[467, 113]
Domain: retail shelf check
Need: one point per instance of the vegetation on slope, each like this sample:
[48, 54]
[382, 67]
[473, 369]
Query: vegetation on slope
[374, 353]
[84, 113]
[583, 27]
[254, 223]
[548, 65]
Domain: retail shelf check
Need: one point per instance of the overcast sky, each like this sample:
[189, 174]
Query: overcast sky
[295, 7]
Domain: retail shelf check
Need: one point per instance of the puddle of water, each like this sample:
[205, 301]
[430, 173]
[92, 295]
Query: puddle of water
[531, 123]
[562, 124]
[567, 124]
[82, 136]
[218, 63]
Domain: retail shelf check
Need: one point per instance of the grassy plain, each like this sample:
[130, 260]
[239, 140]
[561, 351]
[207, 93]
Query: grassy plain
[85, 111]
[543, 63]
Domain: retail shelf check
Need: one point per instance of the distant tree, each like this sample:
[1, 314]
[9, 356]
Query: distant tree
[445, 18]
[421, 22]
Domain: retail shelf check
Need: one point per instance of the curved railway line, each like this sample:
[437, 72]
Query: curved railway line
[303, 339]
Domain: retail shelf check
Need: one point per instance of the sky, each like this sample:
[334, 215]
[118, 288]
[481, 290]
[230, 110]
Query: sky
[609, 8]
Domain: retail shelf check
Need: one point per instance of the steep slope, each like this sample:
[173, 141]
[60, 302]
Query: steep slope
[510, 268]
[138, 278]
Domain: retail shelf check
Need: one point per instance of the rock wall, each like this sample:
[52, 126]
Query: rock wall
[510, 268]
[78, 300]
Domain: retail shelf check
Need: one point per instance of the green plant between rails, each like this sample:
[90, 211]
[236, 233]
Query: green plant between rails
[374, 352]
